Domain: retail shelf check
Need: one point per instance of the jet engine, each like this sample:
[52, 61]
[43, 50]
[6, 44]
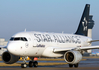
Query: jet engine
[9, 58]
[72, 57]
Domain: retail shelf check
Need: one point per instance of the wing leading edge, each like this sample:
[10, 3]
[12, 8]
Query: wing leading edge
[76, 48]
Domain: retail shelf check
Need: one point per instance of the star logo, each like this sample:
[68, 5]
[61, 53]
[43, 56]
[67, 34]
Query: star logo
[84, 23]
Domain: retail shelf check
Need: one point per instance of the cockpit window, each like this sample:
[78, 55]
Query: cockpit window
[11, 38]
[18, 38]
[22, 39]
[25, 39]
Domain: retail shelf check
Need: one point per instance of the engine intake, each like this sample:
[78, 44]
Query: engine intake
[72, 57]
[9, 58]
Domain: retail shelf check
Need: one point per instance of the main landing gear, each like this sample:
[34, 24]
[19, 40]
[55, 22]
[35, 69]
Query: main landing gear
[75, 65]
[31, 63]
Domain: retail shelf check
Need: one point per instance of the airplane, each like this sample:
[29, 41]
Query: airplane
[43, 44]
[95, 52]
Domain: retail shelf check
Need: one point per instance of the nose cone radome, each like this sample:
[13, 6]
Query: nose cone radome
[11, 48]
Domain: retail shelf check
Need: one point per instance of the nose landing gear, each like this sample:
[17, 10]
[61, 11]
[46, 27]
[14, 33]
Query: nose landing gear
[24, 65]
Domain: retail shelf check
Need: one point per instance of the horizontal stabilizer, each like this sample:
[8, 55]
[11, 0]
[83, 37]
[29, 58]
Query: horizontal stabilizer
[93, 41]
[89, 47]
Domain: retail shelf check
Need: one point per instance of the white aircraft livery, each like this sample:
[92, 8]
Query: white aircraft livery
[43, 44]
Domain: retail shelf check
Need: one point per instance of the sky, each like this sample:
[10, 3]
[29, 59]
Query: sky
[45, 16]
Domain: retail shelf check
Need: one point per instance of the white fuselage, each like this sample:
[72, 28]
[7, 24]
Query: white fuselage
[38, 43]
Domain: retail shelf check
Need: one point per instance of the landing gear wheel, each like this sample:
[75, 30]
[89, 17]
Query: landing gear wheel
[23, 65]
[76, 65]
[35, 63]
[30, 64]
[70, 65]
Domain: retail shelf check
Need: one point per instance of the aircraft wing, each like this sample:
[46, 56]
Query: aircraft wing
[61, 49]
[76, 48]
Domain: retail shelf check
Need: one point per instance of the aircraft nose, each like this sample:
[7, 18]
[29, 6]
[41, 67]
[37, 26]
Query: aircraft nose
[11, 48]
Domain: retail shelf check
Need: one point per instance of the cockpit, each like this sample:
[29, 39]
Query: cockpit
[18, 39]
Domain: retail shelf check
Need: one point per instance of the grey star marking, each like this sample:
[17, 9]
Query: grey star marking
[84, 23]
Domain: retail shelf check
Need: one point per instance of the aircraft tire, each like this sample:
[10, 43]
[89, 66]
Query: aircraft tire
[30, 64]
[76, 65]
[23, 65]
[70, 65]
[35, 63]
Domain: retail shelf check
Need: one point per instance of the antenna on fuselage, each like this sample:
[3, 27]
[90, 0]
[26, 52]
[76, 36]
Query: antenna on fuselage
[25, 30]
[62, 32]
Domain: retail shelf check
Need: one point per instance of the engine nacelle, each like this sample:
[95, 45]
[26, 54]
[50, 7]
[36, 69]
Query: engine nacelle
[89, 51]
[9, 58]
[72, 57]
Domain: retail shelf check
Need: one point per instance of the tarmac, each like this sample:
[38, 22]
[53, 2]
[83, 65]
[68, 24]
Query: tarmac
[89, 64]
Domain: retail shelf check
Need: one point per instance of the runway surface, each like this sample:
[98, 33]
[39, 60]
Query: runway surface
[89, 64]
